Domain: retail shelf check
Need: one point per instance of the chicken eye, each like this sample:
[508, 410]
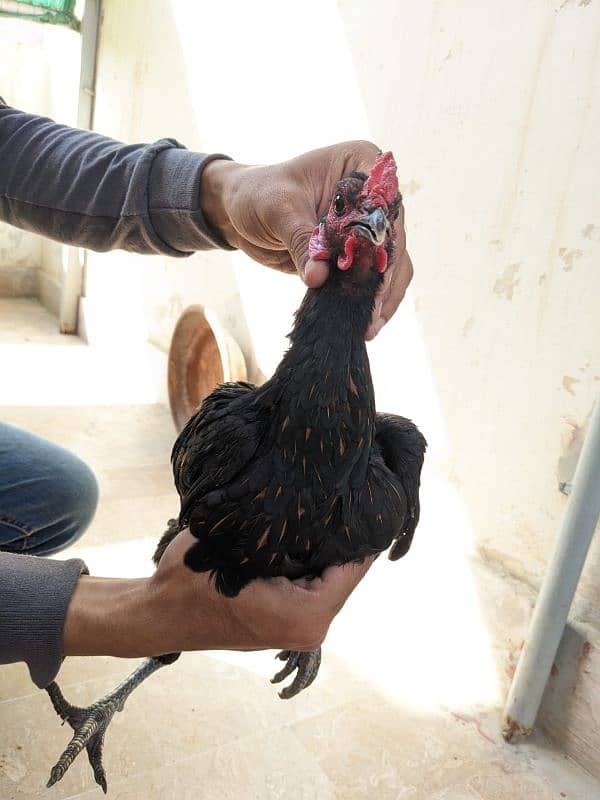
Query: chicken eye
[338, 204]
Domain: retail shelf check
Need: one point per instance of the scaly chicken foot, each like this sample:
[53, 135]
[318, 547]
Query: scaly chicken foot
[90, 723]
[307, 665]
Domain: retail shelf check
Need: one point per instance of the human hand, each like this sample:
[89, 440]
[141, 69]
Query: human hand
[177, 609]
[268, 613]
[269, 213]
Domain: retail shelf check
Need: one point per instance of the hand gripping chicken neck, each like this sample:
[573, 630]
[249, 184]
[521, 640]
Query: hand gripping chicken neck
[300, 473]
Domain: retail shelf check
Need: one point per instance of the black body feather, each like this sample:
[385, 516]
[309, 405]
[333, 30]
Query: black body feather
[300, 473]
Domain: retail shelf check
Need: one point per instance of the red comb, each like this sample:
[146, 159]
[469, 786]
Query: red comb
[381, 187]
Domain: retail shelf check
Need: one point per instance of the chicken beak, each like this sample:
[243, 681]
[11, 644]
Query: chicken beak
[373, 226]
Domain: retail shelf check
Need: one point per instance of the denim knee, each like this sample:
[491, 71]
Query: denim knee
[75, 498]
[48, 496]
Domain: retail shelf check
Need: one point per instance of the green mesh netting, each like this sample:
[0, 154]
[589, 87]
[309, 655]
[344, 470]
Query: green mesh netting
[57, 12]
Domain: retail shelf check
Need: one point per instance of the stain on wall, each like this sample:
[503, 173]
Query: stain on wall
[506, 284]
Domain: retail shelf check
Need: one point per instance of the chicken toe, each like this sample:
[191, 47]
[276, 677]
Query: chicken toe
[307, 666]
[90, 724]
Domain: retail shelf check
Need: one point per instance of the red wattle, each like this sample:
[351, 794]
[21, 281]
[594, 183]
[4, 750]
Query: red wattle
[351, 245]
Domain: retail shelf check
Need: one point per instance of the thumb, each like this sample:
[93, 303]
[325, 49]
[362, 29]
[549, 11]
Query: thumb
[296, 238]
[315, 273]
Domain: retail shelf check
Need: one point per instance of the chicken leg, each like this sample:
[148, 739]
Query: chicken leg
[90, 723]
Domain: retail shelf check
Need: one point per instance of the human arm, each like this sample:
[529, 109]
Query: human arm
[88, 190]
[177, 609]
[50, 609]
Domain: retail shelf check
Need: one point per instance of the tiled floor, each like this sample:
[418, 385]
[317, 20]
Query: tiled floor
[406, 706]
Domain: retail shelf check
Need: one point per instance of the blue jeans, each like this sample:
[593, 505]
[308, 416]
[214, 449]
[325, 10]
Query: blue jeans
[47, 495]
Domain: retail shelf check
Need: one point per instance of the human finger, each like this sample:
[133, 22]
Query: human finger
[398, 286]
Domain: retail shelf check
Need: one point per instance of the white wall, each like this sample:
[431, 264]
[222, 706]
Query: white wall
[493, 112]
[22, 76]
[39, 73]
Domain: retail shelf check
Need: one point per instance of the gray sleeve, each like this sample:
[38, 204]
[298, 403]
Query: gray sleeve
[34, 597]
[84, 189]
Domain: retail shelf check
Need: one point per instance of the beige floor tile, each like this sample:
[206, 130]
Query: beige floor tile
[15, 681]
[146, 480]
[23, 320]
[108, 437]
[261, 767]
[120, 520]
[381, 750]
[199, 703]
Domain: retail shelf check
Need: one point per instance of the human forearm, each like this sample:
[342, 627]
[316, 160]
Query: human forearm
[88, 190]
[177, 610]
[107, 616]
[34, 595]
[131, 618]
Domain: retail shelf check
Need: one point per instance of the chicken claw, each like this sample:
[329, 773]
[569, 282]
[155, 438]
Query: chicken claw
[90, 723]
[307, 665]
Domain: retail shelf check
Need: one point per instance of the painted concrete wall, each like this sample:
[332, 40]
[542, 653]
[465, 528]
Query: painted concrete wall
[39, 73]
[22, 78]
[493, 112]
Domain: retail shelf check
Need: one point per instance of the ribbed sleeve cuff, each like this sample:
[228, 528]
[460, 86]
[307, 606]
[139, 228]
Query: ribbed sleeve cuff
[174, 201]
[34, 597]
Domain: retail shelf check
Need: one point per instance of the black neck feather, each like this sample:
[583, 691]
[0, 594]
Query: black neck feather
[339, 311]
[327, 357]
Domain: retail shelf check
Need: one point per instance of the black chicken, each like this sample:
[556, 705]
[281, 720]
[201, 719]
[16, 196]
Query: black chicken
[301, 473]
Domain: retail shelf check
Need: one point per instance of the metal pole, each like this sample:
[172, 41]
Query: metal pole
[73, 263]
[555, 597]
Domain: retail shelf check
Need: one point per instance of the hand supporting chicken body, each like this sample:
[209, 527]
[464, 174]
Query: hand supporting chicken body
[300, 473]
